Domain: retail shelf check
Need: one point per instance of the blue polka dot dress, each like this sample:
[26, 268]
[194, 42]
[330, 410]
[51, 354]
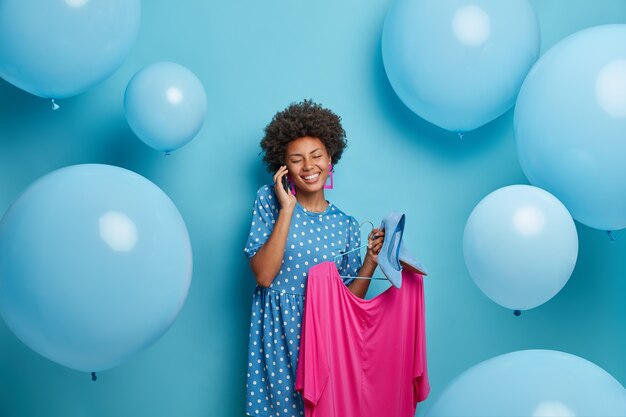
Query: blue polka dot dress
[277, 311]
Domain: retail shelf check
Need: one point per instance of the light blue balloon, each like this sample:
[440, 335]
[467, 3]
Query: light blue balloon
[459, 63]
[60, 48]
[570, 124]
[533, 383]
[165, 105]
[95, 264]
[520, 246]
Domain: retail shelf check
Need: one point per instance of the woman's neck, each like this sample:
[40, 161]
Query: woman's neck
[315, 202]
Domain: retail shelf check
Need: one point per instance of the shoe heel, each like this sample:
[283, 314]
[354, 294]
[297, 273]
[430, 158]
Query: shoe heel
[408, 262]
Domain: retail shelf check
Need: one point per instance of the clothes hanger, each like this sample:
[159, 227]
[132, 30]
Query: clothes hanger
[341, 254]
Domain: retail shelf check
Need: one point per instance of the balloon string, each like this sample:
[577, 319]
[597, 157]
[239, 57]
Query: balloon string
[54, 105]
[93, 376]
[611, 236]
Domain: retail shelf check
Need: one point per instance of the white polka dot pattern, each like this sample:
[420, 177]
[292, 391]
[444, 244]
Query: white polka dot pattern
[276, 317]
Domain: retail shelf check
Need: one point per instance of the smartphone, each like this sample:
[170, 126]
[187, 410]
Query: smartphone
[286, 186]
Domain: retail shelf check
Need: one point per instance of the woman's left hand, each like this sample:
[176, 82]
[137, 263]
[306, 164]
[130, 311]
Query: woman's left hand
[374, 245]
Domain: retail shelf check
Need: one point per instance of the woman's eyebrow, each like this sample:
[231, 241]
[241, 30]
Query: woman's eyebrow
[299, 154]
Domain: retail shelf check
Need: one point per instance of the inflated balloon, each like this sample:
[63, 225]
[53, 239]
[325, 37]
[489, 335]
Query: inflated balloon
[537, 383]
[569, 123]
[520, 246]
[459, 63]
[58, 49]
[165, 105]
[95, 264]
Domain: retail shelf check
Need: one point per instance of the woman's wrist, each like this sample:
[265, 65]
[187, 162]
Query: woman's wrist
[287, 209]
[370, 262]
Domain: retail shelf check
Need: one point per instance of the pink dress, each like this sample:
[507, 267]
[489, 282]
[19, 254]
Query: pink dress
[362, 358]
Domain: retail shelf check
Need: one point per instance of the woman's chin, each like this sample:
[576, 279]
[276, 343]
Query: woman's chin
[311, 188]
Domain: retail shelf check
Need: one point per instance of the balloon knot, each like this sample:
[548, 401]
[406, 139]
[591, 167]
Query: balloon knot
[460, 135]
[517, 312]
[93, 376]
[611, 235]
[54, 105]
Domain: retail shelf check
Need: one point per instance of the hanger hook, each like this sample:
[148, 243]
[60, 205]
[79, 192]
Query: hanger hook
[342, 253]
[371, 224]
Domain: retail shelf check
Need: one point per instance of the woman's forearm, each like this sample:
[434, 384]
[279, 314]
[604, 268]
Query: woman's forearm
[359, 287]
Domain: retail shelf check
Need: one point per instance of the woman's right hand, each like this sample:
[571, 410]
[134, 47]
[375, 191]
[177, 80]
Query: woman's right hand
[285, 198]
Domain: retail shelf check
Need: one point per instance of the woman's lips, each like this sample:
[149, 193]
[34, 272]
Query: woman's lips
[311, 179]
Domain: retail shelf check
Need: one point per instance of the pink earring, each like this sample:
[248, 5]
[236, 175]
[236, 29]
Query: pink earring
[330, 177]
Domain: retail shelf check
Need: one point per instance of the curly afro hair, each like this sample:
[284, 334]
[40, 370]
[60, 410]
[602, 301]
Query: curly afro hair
[306, 118]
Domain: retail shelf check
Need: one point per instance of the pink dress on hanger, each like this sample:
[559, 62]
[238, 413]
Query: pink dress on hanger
[362, 358]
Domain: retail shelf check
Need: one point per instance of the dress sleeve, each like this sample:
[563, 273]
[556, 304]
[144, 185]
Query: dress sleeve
[351, 263]
[313, 369]
[264, 214]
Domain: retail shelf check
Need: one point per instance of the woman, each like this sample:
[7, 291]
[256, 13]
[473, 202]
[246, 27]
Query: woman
[289, 234]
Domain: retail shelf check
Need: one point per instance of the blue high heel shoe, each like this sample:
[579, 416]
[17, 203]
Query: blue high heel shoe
[394, 256]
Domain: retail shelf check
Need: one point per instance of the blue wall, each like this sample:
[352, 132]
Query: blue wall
[255, 57]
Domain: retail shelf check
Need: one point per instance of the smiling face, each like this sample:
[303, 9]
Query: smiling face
[308, 163]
